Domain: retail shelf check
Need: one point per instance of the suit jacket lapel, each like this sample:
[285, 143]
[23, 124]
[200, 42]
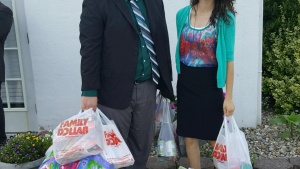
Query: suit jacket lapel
[124, 9]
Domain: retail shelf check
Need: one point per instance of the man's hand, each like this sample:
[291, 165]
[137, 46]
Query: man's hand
[228, 107]
[89, 102]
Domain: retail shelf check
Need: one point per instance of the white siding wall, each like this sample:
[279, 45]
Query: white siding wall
[54, 45]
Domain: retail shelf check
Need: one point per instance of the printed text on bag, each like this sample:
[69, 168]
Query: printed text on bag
[112, 139]
[73, 127]
[220, 152]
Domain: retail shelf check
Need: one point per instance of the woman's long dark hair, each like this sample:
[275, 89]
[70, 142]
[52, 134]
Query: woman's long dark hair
[219, 11]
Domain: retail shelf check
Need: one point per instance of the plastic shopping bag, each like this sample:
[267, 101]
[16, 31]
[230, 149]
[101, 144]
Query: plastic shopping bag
[90, 162]
[158, 114]
[179, 141]
[161, 103]
[115, 149]
[77, 137]
[166, 145]
[231, 148]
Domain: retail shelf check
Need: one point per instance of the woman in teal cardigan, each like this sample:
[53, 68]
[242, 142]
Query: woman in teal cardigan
[204, 63]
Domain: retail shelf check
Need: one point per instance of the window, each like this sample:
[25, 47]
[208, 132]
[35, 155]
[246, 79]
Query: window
[12, 90]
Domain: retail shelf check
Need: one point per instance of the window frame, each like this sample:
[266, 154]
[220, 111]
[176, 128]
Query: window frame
[20, 79]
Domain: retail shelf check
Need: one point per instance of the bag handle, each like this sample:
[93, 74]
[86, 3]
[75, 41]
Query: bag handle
[158, 95]
[102, 116]
[237, 130]
[166, 116]
[226, 125]
[222, 126]
[160, 101]
[239, 134]
[86, 111]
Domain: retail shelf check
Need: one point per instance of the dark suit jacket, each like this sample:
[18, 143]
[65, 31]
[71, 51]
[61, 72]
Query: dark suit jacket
[5, 25]
[109, 50]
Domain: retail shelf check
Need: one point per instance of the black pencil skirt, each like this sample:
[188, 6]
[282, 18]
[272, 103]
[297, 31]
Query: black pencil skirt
[199, 103]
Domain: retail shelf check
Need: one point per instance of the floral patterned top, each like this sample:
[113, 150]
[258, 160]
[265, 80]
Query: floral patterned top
[198, 45]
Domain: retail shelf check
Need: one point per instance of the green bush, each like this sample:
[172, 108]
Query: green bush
[25, 147]
[292, 121]
[281, 60]
[273, 11]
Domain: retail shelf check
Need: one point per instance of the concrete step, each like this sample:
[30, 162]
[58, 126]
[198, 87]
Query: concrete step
[164, 163]
[274, 163]
[206, 163]
[295, 162]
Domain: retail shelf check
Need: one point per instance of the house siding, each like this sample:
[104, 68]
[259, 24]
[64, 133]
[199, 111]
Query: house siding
[54, 46]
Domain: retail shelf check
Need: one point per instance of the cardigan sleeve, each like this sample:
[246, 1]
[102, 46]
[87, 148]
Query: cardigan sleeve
[230, 38]
[181, 18]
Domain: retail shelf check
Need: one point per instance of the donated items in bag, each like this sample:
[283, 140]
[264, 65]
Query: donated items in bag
[158, 113]
[231, 148]
[90, 162]
[77, 137]
[166, 145]
[115, 149]
[161, 103]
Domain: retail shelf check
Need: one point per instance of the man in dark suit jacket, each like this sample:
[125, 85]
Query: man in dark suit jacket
[116, 69]
[6, 19]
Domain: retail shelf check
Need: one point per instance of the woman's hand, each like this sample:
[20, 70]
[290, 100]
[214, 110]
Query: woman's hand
[228, 107]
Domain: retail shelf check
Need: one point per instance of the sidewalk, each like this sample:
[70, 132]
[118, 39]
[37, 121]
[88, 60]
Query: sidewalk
[206, 163]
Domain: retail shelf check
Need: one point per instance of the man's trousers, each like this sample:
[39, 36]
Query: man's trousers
[136, 123]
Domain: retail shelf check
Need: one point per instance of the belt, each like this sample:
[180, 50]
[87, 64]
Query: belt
[139, 82]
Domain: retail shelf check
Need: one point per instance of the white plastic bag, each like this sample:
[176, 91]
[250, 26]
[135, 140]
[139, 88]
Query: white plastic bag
[115, 149]
[50, 149]
[77, 137]
[231, 148]
[158, 114]
[161, 104]
[166, 145]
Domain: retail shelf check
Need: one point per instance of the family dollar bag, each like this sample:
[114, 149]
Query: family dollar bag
[161, 103]
[231, 148]
[166, 145]
[77, 137]
[115, 149]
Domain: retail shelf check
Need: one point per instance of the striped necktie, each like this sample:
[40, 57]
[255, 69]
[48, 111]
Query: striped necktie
[145, 31]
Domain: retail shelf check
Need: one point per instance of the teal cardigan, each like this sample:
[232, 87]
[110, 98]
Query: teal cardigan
[225, 43]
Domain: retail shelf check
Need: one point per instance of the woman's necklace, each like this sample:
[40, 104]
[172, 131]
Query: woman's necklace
[195, 16]
[195, 19]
